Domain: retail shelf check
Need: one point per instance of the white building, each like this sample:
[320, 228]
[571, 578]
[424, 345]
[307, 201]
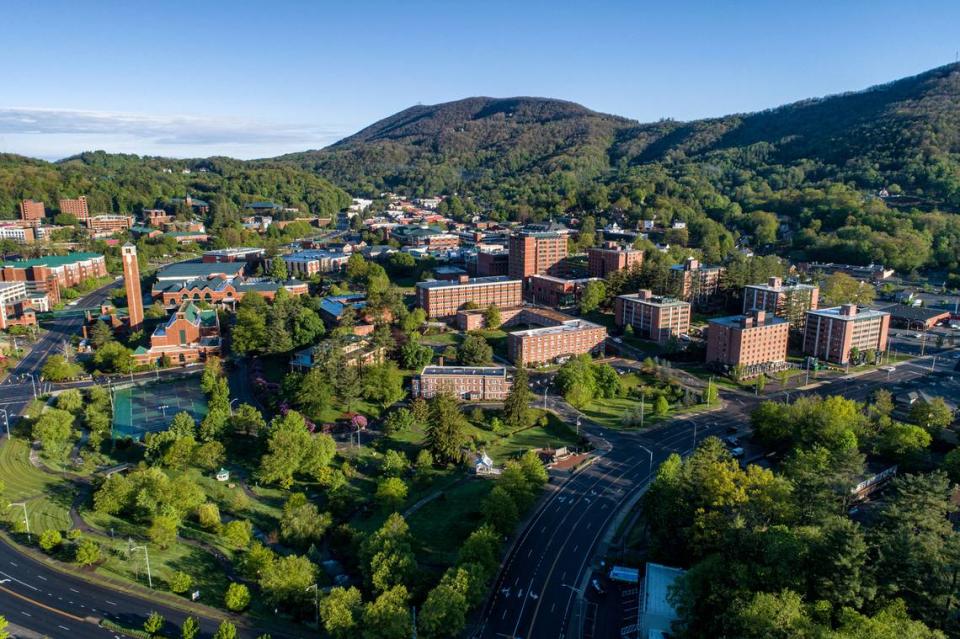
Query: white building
[656, 613]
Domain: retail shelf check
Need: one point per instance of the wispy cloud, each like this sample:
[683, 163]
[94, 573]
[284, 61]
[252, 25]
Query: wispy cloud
[55, 133]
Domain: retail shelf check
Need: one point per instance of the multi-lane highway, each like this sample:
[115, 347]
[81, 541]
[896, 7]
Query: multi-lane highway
[546, 573]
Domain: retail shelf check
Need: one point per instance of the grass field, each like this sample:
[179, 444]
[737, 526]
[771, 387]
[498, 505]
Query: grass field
[146, 408]
[610, 412]
[444, 523]
[48, 498]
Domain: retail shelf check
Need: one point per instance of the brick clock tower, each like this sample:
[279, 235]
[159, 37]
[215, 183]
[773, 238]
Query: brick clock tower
[131, 278]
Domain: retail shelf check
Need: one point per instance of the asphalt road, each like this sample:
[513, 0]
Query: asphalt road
[540, 583]
[35, 596]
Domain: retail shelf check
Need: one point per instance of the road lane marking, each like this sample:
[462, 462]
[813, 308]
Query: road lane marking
[12, 578]
[41, 605]
[110, 602]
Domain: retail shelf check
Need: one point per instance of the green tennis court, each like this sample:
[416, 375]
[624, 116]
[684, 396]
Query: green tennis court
[147, 408]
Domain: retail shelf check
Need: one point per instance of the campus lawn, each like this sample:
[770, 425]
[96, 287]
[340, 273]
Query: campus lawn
[610, 412]
[47, 496]
[555, 434]
[442, 525]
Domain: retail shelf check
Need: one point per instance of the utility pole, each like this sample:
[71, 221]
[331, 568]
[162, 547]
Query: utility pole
[146, 556]
[26, 519]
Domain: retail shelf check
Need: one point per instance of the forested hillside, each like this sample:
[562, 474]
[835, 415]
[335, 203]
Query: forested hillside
[805, 175]
[129, 183]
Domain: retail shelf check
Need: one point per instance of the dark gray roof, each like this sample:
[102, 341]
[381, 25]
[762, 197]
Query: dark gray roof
[494, 279]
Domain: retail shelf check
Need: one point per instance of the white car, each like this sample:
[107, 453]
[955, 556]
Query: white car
[736, 452]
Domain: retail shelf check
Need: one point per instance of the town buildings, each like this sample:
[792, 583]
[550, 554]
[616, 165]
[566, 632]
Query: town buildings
[189, 335]
[75, 207]
[31, 210]
[789, 301]
[872, 272]
[156, 217]
[441, 299]
[470, 383]
[610, 258]
[195, 270]
[569, 338]
[694, 282]
[535, 253]
[655, 317]
[838, 334]
[48, 275]
[753, 343]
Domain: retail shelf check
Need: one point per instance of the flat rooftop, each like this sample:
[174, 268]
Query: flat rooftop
[656, 300]
[569, 326]
[53, 261]
[198, 270]
[795, 286]
[834, 312]
[475, 281]
[735, 320]
[465, 371]
[915, 313]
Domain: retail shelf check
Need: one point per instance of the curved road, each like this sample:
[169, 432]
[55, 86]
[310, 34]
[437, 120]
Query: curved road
[547, 570]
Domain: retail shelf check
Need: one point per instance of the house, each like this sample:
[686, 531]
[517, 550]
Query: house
[483, 465]
[223, 474]
[356, 350]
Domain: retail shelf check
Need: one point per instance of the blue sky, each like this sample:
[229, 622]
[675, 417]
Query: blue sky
[256, 79]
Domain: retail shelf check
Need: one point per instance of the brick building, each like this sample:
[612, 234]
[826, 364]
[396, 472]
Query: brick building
[492, 264]
[428, 237]
[250, 255]
[223, 290]
[444, 299]
[471, 383]
[48, 275]
[789, 301]
[694, 282]
[610, 258]
[31, 210]
[18, 307]
[536, 253]
[550, 343]
[832, 334]
[189, 335]
[556, 291]
[19, 234]
[306, 264]
[756, 342]
[102, 225]
[653, 317]
[75, 207]
[156, 217]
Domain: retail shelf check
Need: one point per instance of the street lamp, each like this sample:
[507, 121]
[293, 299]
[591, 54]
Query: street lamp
[26, 519]
[6, 421]
[316, 600]
[146, 556]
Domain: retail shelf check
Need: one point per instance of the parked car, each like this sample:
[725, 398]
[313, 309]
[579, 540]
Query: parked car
[737, 452]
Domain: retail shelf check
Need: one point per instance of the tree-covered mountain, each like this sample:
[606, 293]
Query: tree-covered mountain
[896, 132]
[804, 176]
[118, 183]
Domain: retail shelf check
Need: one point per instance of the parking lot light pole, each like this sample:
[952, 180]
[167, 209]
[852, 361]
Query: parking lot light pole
[316, 601]
[146, 556]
